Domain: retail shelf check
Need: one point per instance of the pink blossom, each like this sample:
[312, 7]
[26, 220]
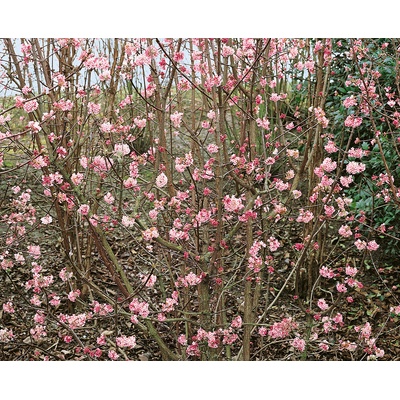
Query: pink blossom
[161, 180]
[8, 307]
[296, 194]
[73, 295]
[356, 153]
[346, 180]
[102, 309]
[38, 332]
[67, 339]
[83, 161]
[113, 355]
[213, 340]
[212, 148]
[34, 251]
[151, 233]
[293, 153]
[326, 272]
[84, 209]
[93, 108]
[101, 164]
[182, 340]
[352, 121]
[372, 245]
[282, 329]
[349, 102]
[263, 123]
[128, 222]
[106, 127]
[330, 147]
[351, 271]
[75, 320]
[31, 106]
[64, 275]
[161, 317]
[46, 220]
[280, 185]
[140, 123]
[192, 279]
[345, 231]
[108, 198]
[346, 345]
[101, 340]
[273, 244]
[126, 341]
[340, 287]
[298, 344]
[305, 216]
[34, 126]
[275, 97]
[227, 51]
[55, 300]
[237, 322]
[229, 337]
[232, 203]
[262, 331]
[360, 244]
[130, 183]
[121, 149]
[354, 167]
[320, 116]
[149, 280]
[322, 304]
[39, 317]
[176, 119]
[193, 350]
[338, 319]
[328, 165]
[139, 307]
[324, 346]
[63, 105]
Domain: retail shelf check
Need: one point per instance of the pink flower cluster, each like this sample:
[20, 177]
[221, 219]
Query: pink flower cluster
[353, 122]
[326, 272]
[30, 106]
[305, 216]
[213, 339]
[354, 167]
[349, 102]
[282, 329]
[298, 343]
[232, 203]
[101, 164]
[332, 323]
[273, 244]
[75, 320]
[255, 261]
[102, 309]
[371, 245]
[161, 180]
[138, 308]
[6, 335]
[176, 119]
[126, 341]
[150, 233]
[189, 280]
[365, 332]
[149, 280]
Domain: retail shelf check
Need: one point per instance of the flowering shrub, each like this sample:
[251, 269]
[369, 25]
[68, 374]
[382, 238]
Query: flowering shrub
[177, 195]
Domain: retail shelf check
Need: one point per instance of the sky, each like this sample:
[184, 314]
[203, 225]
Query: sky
[206, 18]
